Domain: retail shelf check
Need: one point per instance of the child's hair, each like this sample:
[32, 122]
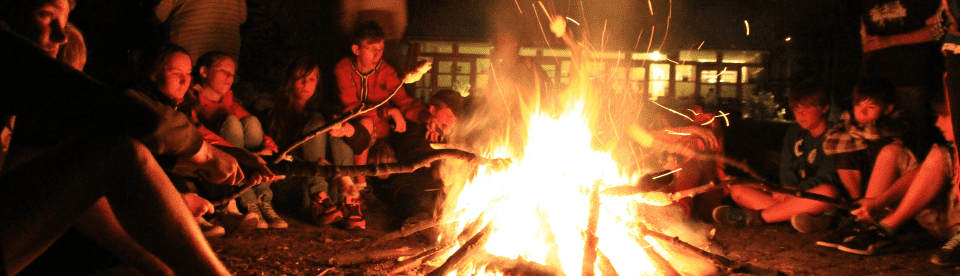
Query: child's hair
[808, 95]
[209, 59]
[880, 90]
[367, 30]
[152, 62]
[449, 98]
[296, 70]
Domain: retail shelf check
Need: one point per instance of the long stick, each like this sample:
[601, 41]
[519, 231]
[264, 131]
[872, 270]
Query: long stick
[352, 258]
[312, 169]
[325, 128]
[406, 230]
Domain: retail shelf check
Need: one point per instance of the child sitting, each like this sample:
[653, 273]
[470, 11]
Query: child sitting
[856, 145]
[365, 80]
[930, 197]
[213, 102]
[297, 112]
[803, 166]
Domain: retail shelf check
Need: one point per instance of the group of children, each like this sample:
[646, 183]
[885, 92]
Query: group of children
[118, 153]
[866, 159]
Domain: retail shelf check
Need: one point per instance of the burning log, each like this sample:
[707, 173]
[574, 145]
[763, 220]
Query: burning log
[517, 267]
[312, 169]
[591, 240]
[360, 257]
[659, 262]
[417, 260]
[471, 247]
[468, 232]
[606, 267]
[406, 230]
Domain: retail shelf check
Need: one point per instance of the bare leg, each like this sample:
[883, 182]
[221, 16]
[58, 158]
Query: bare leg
[785, 209]
[44, 195]
[929, 180]
[885, 170]
[751, 198]
[99, 224]
[851, 181]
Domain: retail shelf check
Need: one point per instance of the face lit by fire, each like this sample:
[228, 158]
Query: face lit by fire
[175, 78]
[307, 85]
[868, 111]
[44, 26]
[368, 53]
[809, 117]
[219, 77]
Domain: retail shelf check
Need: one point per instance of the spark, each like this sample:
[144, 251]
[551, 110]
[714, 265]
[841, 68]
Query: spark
[721, 72]
[541, 25]
[748, 26]
[787, 39]
[574, 21]
[724, 115]
[603, 34]
[544, 9]
[667, 32]
[518, 6]
[650, 43]
[668, 173]
[671, 132]
[693, 111]
[701, 44]
[651, 7]
[674, 111]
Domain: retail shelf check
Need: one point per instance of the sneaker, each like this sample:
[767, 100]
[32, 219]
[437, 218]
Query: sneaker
[210, 230]
[323, 210]
[809, 223]
[353, 218]
[730, 215]
[235, 222]
[870, 239]
[272, 219]
[252, 208]
[949, 254]
[842, 234]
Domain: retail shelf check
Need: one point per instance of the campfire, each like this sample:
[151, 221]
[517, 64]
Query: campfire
[544, 214]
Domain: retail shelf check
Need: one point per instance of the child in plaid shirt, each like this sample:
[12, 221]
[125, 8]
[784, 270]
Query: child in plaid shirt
[872, 136]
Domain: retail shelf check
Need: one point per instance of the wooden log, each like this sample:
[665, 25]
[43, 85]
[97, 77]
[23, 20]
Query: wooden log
[468, 232]
[591, 240]
[606, 267]
[404, 231]
[516, 267]
[470, 248]
[417, 260]
[359, 257]
[719, 261]
[659, 262]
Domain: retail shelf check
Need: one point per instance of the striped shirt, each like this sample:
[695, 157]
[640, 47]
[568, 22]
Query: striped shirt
[201, 26]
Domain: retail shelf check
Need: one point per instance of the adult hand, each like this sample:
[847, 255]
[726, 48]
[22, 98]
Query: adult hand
[869, 209]
[216, 166]
[259, 173]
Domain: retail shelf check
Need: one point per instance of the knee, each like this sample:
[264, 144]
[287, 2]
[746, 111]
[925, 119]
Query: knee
[367, 123]
[231, 124]
[250, 123]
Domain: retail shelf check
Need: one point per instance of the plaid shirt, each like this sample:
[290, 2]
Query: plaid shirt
[849, 136]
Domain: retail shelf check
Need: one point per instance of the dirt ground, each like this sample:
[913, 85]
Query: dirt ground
[305, 249]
